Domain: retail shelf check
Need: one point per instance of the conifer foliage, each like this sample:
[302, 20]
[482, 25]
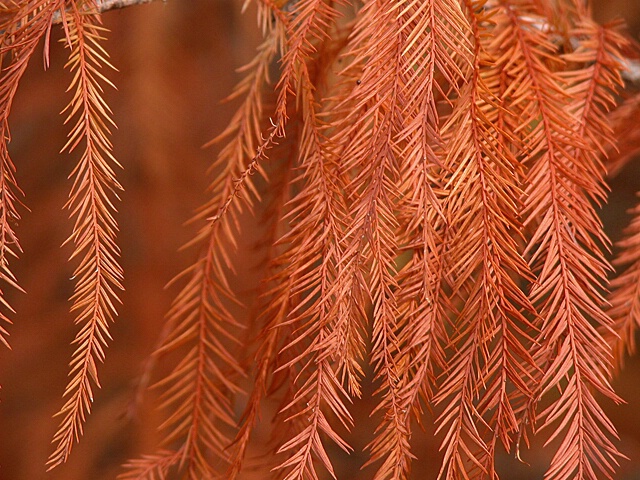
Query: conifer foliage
[434, 170]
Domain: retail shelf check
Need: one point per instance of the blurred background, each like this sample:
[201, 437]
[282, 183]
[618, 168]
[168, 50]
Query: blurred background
[177, 60]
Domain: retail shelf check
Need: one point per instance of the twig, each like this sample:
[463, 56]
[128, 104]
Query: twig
[105, 5]
[102, 6]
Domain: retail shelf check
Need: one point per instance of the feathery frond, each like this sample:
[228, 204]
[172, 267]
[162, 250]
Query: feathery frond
[564, 177]
[594, 89]
[492, 334]
[442, 57]
[316, 217]
[372, 241]
[369, 150]
[98, 275]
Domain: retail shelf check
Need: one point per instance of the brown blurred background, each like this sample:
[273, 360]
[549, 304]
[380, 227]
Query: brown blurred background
[176, 61]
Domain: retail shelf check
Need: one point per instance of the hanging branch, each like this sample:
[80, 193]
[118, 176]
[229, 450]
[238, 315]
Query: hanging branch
[564, 133]
[98, 275]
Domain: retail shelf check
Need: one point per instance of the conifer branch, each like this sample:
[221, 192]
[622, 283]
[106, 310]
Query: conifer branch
[371, 242]
[421, 302]
[563, 251]
[306, 22]
[491, 355]
[98, 275]
[317, 216]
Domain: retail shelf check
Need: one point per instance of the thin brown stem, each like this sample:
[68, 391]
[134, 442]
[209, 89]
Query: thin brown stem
[101, 6]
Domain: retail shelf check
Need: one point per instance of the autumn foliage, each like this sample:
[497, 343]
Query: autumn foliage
[434, 170]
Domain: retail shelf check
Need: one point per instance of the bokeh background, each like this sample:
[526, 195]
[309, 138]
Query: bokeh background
[177, 60]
